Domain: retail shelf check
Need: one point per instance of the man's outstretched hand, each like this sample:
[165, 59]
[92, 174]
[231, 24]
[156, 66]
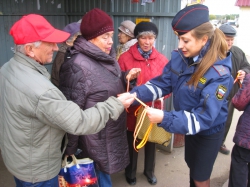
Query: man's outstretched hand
[126, 98]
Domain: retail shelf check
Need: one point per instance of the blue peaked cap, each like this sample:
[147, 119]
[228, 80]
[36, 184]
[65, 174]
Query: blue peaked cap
[190, 17]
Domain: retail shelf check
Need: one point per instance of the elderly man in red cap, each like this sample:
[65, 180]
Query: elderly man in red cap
[34, 114]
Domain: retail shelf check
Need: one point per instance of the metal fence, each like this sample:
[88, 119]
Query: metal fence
[61, 12]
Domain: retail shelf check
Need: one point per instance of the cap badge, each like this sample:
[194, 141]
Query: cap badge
[176, 33]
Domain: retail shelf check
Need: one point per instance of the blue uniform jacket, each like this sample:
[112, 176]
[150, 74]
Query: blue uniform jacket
[202, 110]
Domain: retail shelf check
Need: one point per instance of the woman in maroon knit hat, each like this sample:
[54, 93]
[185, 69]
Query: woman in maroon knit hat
[90, 74]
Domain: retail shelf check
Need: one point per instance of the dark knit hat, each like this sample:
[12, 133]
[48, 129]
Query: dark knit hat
[228, 30]
[144, 27]
[189, 18]
[72, 28]
[95, 23]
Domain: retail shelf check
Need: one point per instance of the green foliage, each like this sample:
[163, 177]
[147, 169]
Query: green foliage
[223, 17]
[211, 17]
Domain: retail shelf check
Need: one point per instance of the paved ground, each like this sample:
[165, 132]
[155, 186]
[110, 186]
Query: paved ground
[172, 171]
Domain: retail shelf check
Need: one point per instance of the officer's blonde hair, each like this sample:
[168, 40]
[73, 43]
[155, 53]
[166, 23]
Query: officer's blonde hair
[218, 49]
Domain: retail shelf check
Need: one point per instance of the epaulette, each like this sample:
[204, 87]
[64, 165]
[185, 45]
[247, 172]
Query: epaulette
[221, 70]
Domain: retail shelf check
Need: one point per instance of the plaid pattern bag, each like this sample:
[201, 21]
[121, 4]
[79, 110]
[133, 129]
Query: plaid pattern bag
[157, 135]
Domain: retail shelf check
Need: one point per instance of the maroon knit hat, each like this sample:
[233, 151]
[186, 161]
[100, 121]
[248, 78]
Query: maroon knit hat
[95, 23]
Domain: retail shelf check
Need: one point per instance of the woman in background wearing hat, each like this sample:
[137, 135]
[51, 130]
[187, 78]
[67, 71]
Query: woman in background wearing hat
[74, 30]
[198, 75]
[142, 55]
[126, 37]
[89, 75]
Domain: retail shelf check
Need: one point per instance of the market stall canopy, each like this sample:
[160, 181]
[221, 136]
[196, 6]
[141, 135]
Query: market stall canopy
[241, 3]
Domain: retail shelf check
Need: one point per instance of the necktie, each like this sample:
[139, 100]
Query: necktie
[190, 61]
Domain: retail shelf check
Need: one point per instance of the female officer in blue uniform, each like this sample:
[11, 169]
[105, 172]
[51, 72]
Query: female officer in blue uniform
[199, 77]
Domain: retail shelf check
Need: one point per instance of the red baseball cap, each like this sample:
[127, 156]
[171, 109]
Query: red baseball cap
[33, 27]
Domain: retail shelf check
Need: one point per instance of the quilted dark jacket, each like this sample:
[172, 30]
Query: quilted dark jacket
[88, 76]
[241, 101]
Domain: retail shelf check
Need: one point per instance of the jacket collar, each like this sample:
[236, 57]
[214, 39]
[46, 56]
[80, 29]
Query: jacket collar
[31, 63]
[197, 59]
[136, 54]
[81, 45]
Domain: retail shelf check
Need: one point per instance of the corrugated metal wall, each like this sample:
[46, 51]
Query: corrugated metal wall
[12, 10]
[61, 12]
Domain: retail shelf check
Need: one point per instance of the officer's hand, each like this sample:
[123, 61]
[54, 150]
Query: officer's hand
[155, 115]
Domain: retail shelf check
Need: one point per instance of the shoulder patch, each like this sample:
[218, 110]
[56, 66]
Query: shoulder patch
[220, 92]
[221, 70]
